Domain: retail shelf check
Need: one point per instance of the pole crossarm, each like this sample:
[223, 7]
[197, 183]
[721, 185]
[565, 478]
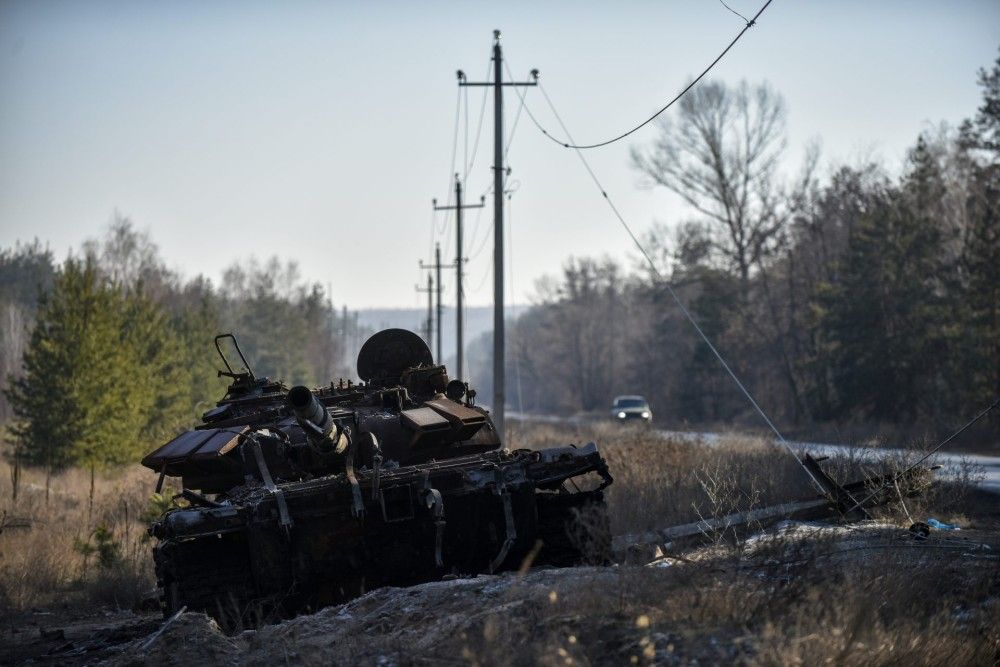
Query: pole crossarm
[435, 266]
[463, 206]
[505, 84]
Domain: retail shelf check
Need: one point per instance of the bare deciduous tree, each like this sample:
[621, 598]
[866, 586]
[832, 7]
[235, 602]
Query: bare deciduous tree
[720, 157]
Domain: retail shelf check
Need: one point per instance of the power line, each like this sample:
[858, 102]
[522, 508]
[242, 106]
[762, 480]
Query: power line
[479, 125]
[926, 456]
[571, 144]
[465, 145]
[439, 230]
[673, 294]
[482, 281]
[508, 191]
[510, 283]
[517, 116]
[454, 152]
[745, 19]
[430, 245]
[454, 140]
[482, 244]
[474, 236]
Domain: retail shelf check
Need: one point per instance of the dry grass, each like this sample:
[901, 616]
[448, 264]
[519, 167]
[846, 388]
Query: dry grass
[898, 607]
[63, 552]
[775, 603]
[662, 481]
[873, 605]
[881, 612]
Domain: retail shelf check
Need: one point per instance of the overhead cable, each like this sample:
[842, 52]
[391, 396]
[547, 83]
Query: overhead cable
[745, 19]
[517, 116]
[680, 304]
[451, 172]
[930, 453]
[479, 126]
[474, 235]
[569, 143]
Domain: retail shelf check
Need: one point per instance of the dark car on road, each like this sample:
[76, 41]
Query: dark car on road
[631, 408]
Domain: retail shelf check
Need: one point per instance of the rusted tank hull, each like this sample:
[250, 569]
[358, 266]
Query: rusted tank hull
[250, 561]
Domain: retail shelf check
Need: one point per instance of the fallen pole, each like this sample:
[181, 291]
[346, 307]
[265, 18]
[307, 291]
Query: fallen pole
[840, 501]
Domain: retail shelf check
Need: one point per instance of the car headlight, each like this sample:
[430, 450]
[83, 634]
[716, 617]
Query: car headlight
[621, 415]
[645, 415]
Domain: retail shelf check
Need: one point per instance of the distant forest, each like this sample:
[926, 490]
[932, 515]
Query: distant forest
[854, 297]
[858, 297]
[108, 353]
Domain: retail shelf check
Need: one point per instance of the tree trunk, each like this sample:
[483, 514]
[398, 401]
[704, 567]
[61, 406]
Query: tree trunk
[90, 506]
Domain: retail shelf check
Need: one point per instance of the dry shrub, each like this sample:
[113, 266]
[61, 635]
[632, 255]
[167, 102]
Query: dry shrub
[663, 480]
[66, 551]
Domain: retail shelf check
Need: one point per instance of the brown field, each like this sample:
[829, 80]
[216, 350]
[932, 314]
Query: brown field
[865, 595]
[51, 551]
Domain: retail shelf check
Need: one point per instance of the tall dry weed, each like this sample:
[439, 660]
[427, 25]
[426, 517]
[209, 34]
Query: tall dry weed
[663, 480]
[51, 550]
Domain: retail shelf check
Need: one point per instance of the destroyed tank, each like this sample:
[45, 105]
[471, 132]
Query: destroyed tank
[294, 499]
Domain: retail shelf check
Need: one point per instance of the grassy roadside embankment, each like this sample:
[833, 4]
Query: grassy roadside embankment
[805, 595]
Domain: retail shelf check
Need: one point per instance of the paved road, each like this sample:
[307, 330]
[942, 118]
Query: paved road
[988, 465]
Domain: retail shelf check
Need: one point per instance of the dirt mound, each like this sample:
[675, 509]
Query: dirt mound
[713, 607]
[435, 622]
[191, 639]
[872, 592]
[481, 619]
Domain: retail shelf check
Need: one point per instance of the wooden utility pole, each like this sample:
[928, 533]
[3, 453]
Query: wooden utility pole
[498, 194]
[429, 328]
[459, 259]
[437, 266]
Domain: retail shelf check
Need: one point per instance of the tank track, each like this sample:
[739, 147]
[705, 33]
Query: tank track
[184, 579]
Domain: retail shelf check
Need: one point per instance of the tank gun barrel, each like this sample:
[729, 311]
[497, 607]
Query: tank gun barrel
[320, 428]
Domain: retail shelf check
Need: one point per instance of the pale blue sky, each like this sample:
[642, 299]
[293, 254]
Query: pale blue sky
[321, 131]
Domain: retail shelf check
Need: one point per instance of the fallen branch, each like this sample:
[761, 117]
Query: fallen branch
[156, 635]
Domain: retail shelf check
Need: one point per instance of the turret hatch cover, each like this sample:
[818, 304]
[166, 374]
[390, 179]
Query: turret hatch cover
[385, 355]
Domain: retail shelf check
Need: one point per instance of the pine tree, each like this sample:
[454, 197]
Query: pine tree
[71, 353]
[980, 378]
[104, 377]
[884, 319]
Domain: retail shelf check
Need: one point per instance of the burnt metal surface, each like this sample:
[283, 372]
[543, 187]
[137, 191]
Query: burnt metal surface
[303, 498]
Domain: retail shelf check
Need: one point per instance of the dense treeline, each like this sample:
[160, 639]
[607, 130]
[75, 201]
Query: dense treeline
[109, 352]
[856, 297]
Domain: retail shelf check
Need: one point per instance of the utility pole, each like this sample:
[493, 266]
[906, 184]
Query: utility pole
[430, 307]
[437, 266]
[498, 193]
[345, 338]
[459, 259]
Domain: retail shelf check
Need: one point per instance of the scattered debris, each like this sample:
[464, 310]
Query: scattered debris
[934, 523]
